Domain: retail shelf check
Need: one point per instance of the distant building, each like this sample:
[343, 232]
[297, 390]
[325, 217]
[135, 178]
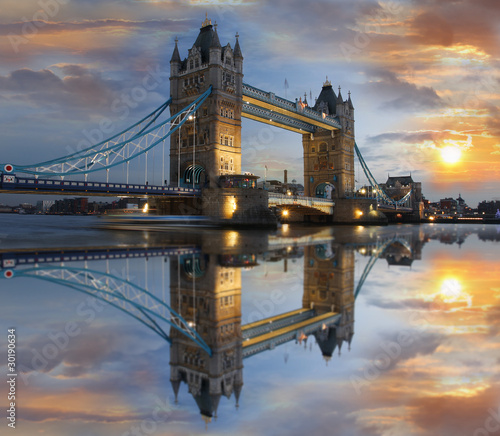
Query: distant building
[448, 205]
[277, 186]
[488, 207]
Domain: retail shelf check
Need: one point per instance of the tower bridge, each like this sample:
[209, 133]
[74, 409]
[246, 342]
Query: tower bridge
[203, 133]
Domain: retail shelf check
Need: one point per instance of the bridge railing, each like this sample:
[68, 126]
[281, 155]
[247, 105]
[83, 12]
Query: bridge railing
[305, 201]
[271, 98]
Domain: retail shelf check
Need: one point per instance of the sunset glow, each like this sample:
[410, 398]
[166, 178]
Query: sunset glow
[451, 154]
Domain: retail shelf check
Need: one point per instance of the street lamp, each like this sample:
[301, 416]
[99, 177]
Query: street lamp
[193, 117]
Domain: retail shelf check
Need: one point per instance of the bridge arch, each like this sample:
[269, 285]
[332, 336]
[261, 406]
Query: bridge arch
[193, 170]
[325, 190]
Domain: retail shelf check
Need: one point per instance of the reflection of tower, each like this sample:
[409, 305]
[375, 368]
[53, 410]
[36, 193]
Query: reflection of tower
[215, 132]
[329, 287]
[208, 296]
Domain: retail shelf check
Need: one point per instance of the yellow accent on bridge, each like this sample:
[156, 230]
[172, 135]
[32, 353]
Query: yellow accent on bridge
[256, 102]
[300, 325]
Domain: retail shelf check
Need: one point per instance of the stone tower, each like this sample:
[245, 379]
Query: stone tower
[215, 131]
[208, 296]
[329, 287]
[329, 155]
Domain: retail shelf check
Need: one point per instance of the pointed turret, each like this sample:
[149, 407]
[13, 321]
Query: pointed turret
[340, 100]
[349, 101]
[215, 39]
[176, 57]
[175, 386]
[237, 391]
[237, 49]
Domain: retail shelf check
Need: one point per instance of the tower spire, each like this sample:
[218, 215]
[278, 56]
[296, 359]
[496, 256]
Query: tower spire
[215, 39]
[175, 55]
[237, 49]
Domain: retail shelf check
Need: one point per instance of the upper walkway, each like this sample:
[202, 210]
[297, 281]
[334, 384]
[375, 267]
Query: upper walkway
[268, 108]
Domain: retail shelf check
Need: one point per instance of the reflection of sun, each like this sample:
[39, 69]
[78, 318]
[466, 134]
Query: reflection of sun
[451, 154]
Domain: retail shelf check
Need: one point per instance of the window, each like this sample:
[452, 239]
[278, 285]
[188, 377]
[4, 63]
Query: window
[333, 148]
[313, 149]
[322, 147]
[191, 64]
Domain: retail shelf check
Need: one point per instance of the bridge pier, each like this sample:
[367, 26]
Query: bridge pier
[358, 211]
[238, 207]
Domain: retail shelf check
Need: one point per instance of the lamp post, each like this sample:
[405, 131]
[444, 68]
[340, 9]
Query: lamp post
[179, 160]
[193, 117]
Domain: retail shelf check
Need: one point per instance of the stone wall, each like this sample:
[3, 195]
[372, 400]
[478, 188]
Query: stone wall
[238, 207]
[357, 211]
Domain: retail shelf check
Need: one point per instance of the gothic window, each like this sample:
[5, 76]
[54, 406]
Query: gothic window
[196, 63]
[191, 64]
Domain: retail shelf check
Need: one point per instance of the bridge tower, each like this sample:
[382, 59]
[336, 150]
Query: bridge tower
[209, 297]
[329, 154]
[215, 131]
[329, 287]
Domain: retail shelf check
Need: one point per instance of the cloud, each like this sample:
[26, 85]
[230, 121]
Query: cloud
[17, 28]
[453, 414]
[496, 149]
[397, 94]
[79, 87]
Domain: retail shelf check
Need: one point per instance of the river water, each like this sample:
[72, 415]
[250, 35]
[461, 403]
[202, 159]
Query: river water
[305, 330]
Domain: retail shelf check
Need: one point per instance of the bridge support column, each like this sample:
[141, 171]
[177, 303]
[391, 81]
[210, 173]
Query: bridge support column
[357, 211]
[238, 207]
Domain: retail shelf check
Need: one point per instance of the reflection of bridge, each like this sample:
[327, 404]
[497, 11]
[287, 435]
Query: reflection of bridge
[208, 100]
[203, 314]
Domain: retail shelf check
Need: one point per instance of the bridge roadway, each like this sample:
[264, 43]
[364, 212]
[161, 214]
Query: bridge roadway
[305, 205]
[271, 332]
[23, 257]
[11, 184]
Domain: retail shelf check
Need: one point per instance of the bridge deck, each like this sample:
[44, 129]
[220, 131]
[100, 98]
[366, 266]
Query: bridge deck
[274, 322]
[257, 344]
[271, 109]
[31, 185]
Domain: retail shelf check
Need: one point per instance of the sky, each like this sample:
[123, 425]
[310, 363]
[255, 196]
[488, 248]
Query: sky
[424, 78]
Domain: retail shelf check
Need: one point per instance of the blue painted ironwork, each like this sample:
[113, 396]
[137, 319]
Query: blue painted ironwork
[271, 98]
[132, 299]
[31, 184]
[119, 149]
[381, 194]
[277, 118]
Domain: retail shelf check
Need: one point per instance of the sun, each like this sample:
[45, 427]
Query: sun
[451, 154]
